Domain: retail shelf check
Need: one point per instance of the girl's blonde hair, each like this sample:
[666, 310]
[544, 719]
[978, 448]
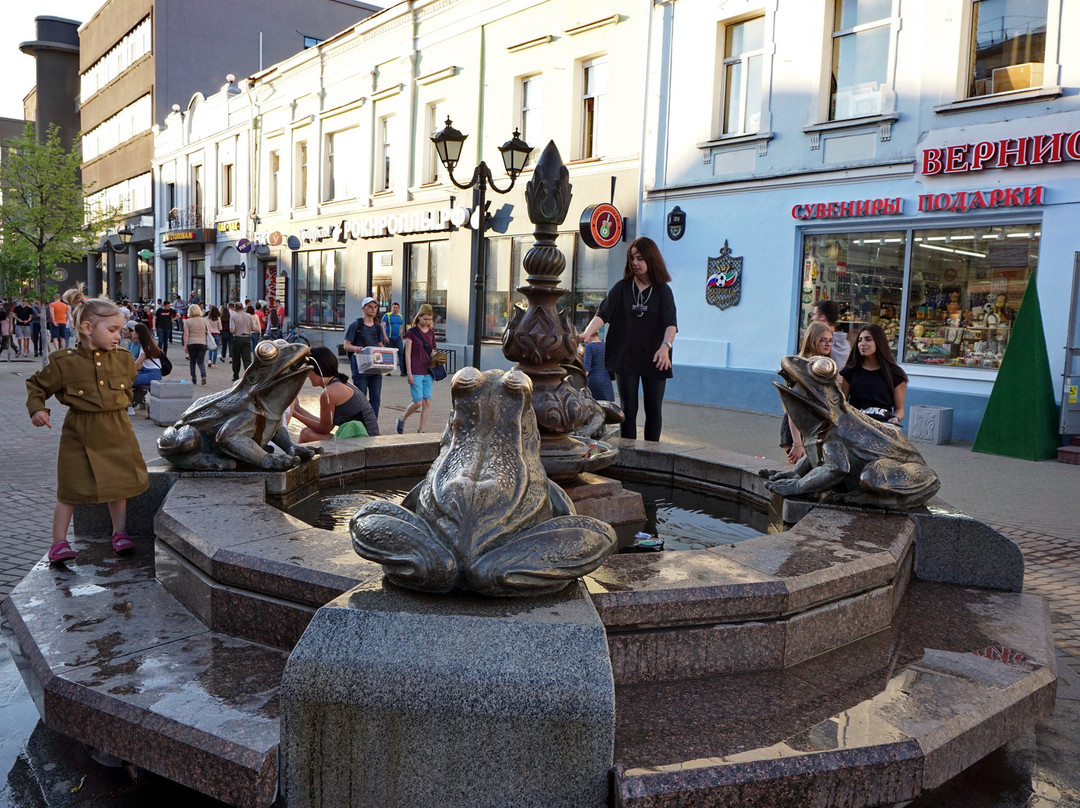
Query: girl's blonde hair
[88, 309]
[425, 308]
[194, 310]
[815, 331]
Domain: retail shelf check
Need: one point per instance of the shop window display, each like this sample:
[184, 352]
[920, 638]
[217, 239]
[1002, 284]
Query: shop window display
[863, 273]
[963, 291]
[966, 287]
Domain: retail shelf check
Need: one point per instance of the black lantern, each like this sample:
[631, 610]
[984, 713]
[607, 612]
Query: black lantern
[125, 234]
[448, 143]
[515, 154]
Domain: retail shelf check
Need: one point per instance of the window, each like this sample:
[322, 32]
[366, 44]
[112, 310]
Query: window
[275, 176]
[311, 41]
[227, 186]
[122, 55]
[1008, 45]
[320, 288]
[505, 272]
[134, 119]
[964, 289]
[428, 276]
[744, 44]
[340, 152]
[532, 111]
[593, 103]
[860, 60]
[145, 281]
[384, 170]
[196, 185]
[436, 119]
[198, 278]
[172, 279]
[300, 182]
[170, 196]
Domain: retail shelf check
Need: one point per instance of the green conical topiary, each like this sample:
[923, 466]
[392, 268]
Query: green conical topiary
[1021, 418]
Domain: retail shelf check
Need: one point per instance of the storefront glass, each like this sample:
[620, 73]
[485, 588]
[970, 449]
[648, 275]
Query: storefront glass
[146, 281]
[320, 288]
[428, 273]
[172, 279]
[966, 287]
[963, 291]
[506, 274]
[198, 278]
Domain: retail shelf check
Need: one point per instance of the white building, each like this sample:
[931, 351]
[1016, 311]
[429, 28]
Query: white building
[322, 164]
[902, 158]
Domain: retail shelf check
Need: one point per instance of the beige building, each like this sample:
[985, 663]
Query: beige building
[347, 195]
[138, 58]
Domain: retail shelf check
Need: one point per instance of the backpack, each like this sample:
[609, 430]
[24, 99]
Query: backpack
[166, 365]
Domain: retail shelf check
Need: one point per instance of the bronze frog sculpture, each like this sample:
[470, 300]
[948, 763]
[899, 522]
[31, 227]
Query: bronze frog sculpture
[486, 518]
[238, 424]
[850, 457]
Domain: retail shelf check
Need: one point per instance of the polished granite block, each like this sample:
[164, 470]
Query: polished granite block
[956, 549]
[654, 656]
[827, 627]
[94, 520]
[200, 711]
[679, 588]
[958, 674]
[398, 699]
[651, 457]
[118, 664]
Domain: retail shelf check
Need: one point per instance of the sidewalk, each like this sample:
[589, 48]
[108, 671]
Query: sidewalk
[1035, 504]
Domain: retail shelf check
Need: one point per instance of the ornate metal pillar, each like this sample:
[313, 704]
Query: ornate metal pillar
[541, 340]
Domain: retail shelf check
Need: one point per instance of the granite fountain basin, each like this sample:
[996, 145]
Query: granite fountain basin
[850, 659]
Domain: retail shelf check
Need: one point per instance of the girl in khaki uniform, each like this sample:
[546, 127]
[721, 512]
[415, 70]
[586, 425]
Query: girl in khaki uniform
[99, 459]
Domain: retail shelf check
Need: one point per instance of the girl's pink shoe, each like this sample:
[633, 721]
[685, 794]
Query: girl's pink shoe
[121, 542]
[61, 551]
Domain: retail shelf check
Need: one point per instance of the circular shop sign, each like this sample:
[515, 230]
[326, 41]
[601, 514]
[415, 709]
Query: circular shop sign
[601, 226]
[275, 239]
[243, 245]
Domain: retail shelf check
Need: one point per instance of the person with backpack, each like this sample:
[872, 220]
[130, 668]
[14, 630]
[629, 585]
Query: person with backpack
[366, 332]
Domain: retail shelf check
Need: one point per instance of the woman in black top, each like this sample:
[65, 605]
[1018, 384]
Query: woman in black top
[339, 403]
[872, 381]
[640, 313]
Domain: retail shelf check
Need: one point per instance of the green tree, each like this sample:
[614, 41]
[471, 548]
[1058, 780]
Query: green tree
[44, 218]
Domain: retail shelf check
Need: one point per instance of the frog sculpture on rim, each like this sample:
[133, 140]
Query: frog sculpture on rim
[486, 518]
[850, 458]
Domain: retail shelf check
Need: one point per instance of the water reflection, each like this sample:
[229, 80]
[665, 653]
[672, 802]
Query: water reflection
[685, 520]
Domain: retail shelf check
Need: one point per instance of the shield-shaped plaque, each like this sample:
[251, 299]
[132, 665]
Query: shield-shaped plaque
[676, 223]
[723, 285]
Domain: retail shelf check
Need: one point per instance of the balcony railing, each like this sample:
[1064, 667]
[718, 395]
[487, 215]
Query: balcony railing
[189, 217]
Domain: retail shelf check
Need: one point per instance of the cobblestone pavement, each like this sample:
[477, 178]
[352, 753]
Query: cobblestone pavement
[1035, 504]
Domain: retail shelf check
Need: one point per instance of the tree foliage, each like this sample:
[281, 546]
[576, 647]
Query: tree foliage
[44, 218]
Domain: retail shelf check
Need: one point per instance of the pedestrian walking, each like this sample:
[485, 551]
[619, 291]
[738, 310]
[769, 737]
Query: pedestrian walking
[195, 337]
[58, 312]
[241, 323]
[99, 458]
[394, 325]
[366, 332]
[418, 366]
[24, 330]
[35, 324]
[640, 312]
[163, 321]
[213, 324]
[226, 332]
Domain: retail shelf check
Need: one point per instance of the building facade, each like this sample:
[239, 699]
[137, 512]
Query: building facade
[137, 59]
[340, 194]
[915, 162]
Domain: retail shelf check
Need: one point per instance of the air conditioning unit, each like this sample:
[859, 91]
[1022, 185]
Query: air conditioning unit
[1018, 77]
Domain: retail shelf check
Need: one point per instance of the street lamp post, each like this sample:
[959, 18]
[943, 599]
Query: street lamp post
[515, 154]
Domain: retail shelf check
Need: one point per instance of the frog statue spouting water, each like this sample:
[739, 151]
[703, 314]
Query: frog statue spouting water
[850, 457]
[240, 423]
[486, 518]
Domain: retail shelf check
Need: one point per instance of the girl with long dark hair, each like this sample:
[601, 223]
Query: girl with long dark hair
[641, 318]
[872, 380]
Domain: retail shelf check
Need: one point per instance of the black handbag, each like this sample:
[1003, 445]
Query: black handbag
[438, 370]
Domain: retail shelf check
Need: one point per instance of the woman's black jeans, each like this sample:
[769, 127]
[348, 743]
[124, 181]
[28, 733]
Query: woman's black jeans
[653, 392]
[197, 356]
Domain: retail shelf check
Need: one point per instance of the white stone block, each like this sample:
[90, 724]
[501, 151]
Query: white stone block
[930, 424]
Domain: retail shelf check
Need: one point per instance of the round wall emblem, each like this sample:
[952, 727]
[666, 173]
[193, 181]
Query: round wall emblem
[601, 226]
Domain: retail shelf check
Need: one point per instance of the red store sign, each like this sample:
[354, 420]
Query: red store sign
[1035, 150]
[959, 201]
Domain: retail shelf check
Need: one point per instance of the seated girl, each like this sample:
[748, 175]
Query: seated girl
[339, 403]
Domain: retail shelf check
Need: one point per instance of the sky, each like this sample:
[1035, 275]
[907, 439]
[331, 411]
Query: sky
[16, 68]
